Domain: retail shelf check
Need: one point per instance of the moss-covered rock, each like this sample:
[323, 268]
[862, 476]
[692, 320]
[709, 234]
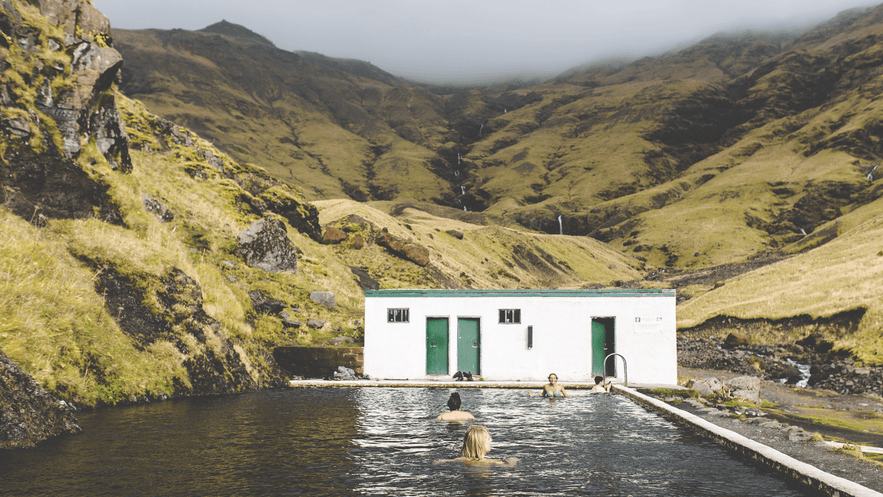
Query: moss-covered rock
[265, 245]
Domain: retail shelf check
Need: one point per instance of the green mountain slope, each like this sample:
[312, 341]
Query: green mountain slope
[616, 152]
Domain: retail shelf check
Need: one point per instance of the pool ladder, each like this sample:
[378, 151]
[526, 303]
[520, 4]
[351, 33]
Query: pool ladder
[625, 366]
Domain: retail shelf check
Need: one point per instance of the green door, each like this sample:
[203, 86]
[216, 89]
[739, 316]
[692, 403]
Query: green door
[468, 345]
[602, 345]
[437, 346]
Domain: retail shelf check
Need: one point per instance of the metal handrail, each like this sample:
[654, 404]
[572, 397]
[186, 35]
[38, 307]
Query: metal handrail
[625, 367]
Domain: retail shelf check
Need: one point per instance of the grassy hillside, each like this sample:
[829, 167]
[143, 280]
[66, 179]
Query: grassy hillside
[61, 323]
[841, 277]
[466, 255]
[748, 140]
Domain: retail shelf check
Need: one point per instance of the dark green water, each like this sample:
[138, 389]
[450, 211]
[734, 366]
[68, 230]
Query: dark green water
[380, 441]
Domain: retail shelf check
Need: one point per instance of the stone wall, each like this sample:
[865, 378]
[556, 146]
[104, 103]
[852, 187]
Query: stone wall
[318, 362]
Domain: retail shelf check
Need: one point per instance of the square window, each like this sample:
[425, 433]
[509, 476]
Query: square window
[510, 316]
[397, 316]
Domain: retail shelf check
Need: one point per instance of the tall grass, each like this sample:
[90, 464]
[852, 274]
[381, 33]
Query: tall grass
[55, 326]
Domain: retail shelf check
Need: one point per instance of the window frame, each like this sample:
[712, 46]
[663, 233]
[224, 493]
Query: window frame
[398, 315]
[510, 316]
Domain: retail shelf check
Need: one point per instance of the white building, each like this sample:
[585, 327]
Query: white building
[522, 334]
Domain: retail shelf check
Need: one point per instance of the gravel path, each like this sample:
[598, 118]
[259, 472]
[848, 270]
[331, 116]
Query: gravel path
[781, 436]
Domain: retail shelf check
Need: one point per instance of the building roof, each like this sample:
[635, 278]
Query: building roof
[612, 292]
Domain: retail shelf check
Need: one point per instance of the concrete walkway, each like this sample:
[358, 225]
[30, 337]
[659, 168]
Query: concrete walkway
[459, 384]
[775, 460]
[779, 462]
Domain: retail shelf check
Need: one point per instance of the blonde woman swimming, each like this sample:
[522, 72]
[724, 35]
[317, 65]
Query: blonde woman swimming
[477, 443]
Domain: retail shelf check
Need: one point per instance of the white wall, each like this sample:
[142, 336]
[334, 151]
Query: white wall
[561, 333]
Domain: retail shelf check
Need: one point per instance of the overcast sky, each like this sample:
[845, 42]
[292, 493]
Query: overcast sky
[447, 41]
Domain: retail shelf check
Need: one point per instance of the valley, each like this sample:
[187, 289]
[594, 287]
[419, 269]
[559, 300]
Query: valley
[739, 170]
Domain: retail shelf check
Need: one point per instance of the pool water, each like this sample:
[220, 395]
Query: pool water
[381, 441]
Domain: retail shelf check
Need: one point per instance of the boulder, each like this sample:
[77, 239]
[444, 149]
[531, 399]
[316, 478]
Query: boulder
[357, 242]
[156, 207]
[323, 298]
[417, 254]
[265, 245]
[744, 383]
[747, 395]
[707, 386]
[290, 324]
[333, 236]
[315, 323]
[29, 414]
[734, 340]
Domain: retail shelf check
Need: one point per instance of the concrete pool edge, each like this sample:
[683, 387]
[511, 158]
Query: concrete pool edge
[786, 465]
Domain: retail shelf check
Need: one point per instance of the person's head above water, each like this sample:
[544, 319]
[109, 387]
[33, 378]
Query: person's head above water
[553, 378]
[599, 380]
[476, 442]
[454, 401]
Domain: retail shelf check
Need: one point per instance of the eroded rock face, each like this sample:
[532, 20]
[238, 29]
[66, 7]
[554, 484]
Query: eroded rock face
[265, 245]
[366, 282]
[213, 364]
[28, 414]
[65, 69]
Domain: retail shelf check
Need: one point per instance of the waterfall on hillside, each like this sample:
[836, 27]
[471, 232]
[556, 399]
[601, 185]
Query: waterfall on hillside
[457, 173]
[462, 190]
[479, 129]
[464, 207]
[560, 226]
[458, 158]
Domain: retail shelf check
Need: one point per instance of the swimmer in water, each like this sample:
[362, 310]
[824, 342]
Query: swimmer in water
[455, 414]
[553, 389]
[600, 386]
[477, 443]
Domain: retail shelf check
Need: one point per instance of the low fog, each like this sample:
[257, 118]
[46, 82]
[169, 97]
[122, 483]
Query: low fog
[466, 42]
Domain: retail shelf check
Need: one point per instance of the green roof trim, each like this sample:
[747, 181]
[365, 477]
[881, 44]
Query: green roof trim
[613, 292]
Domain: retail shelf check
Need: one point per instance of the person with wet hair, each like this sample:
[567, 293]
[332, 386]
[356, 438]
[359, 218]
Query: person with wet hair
[553, 389]
[600, 386]
[477, 443]
[455, 414]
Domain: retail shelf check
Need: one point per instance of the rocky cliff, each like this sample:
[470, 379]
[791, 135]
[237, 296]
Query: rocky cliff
[29, 414]
[65, 164]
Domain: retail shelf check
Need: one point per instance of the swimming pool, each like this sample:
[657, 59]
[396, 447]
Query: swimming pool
[381, 441]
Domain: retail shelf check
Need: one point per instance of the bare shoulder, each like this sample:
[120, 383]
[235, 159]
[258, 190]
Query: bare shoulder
[508, 462]
[454, 416]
